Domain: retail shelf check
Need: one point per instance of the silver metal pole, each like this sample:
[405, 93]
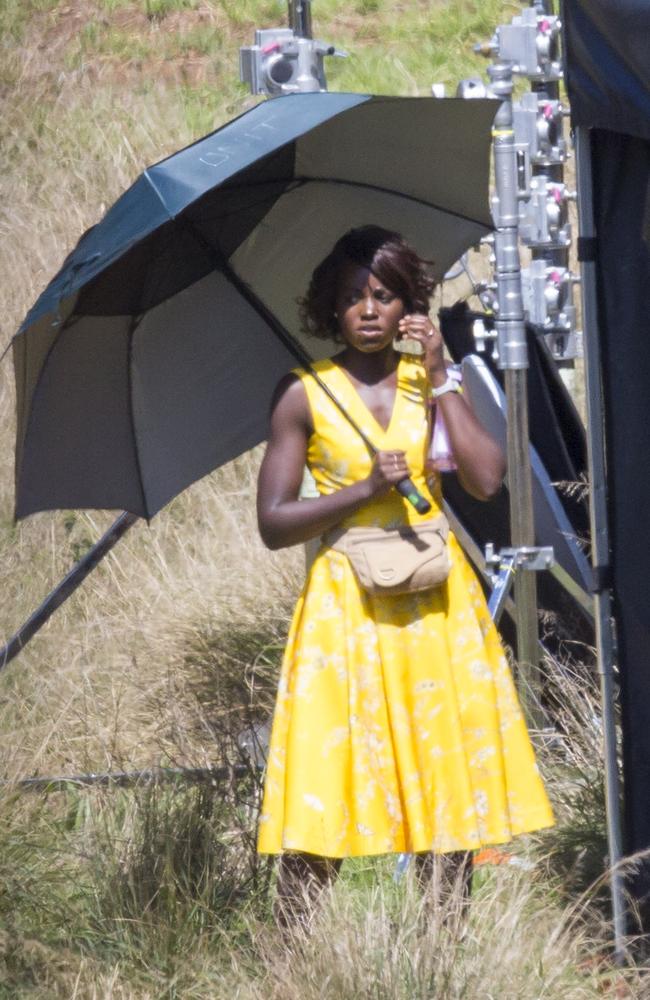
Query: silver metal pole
[600, 536]
[300, 18]
[513, 358]
[522, 531]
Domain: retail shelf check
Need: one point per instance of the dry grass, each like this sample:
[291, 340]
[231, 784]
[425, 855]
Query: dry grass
[170, 648]
[112, 680]
[88, 691]
[383, 944]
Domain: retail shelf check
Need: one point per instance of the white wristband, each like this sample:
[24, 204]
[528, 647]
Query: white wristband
[452, 384]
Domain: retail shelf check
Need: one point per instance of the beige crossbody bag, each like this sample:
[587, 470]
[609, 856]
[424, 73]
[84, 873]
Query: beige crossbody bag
[393, 560]
[396, 561]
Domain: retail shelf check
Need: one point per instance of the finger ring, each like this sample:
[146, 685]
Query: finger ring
[430, 333]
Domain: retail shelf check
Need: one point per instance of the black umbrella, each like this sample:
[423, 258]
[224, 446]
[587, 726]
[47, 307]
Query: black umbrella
[151, 357]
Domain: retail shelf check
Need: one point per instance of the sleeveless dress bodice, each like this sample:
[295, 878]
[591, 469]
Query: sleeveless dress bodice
[337, 455]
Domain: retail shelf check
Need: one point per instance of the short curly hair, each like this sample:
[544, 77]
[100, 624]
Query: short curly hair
[390, 258]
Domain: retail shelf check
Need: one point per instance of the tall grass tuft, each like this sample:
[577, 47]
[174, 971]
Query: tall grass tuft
[575, 850]
[389, 943]
[145, 878]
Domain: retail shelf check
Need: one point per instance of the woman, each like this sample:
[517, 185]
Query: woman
[397, 727]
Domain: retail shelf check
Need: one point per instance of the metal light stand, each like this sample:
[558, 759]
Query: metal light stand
[527, 142]
[530, 206]
[286, 60]
[548, 282]
[300, 17]
[530, 46]
[513, 359]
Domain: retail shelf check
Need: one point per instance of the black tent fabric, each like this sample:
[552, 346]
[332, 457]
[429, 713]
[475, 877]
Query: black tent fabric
[607, 64]
[608, 76]
[621, 165]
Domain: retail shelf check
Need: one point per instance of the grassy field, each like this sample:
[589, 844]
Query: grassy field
[168, 651]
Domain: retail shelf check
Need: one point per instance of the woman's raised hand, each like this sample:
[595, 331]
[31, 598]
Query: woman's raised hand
[388, 468]
[479, 459]
[417, 326]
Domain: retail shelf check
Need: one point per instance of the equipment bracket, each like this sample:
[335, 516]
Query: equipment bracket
[526, 556]
[502, 566]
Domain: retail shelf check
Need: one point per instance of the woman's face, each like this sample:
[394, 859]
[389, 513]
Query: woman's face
[368, 312]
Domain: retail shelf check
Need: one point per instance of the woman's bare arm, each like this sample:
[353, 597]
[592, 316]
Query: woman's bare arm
[283, 519]
[480, 461]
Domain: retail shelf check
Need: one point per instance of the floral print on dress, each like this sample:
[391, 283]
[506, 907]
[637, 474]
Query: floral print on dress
[397, 725]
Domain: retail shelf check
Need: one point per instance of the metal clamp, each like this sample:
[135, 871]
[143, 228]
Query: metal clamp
[502, 566]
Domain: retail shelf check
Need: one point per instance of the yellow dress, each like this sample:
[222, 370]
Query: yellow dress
[397, 726]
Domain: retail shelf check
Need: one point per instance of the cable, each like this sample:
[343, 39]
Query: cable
[6, 350]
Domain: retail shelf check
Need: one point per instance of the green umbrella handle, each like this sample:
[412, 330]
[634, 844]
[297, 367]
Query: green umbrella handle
[409, 491]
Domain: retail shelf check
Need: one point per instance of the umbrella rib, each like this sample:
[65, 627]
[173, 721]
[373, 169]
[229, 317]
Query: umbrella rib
[245, 290]
[152, 185]
[290, 343]
[135, 322]
[302, 181]
[133, 326]
[397, 194]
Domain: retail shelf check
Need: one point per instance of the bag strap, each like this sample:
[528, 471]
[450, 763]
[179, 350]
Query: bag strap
[405, 487]
[337, 402]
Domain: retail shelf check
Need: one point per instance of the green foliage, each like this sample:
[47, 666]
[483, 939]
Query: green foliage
[114, 871]
[576, 849]
[175, 859]
[574, 852]
[261, 13]
[365, 7]
[110, 6]
[156, 10]
[200, 40]
[15, 16]
[201, 105]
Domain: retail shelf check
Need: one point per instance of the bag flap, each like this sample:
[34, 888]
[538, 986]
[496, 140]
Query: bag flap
[392, 559]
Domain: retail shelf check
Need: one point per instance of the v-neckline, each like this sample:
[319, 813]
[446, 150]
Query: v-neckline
[353, 389]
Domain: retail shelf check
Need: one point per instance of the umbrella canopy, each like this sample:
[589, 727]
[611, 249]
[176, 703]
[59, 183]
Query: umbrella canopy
[151, 357]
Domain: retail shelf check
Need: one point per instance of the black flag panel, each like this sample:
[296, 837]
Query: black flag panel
[608, 77]
[621, 172]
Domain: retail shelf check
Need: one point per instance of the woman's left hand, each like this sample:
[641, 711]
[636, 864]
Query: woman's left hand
[417, 326]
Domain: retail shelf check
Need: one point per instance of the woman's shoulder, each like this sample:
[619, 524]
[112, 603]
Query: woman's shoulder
[289, 392]
[321, 367]
[297, 381]
[289, 405]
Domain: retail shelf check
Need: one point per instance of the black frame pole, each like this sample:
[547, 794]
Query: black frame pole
[66, 587]
[600, 546]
